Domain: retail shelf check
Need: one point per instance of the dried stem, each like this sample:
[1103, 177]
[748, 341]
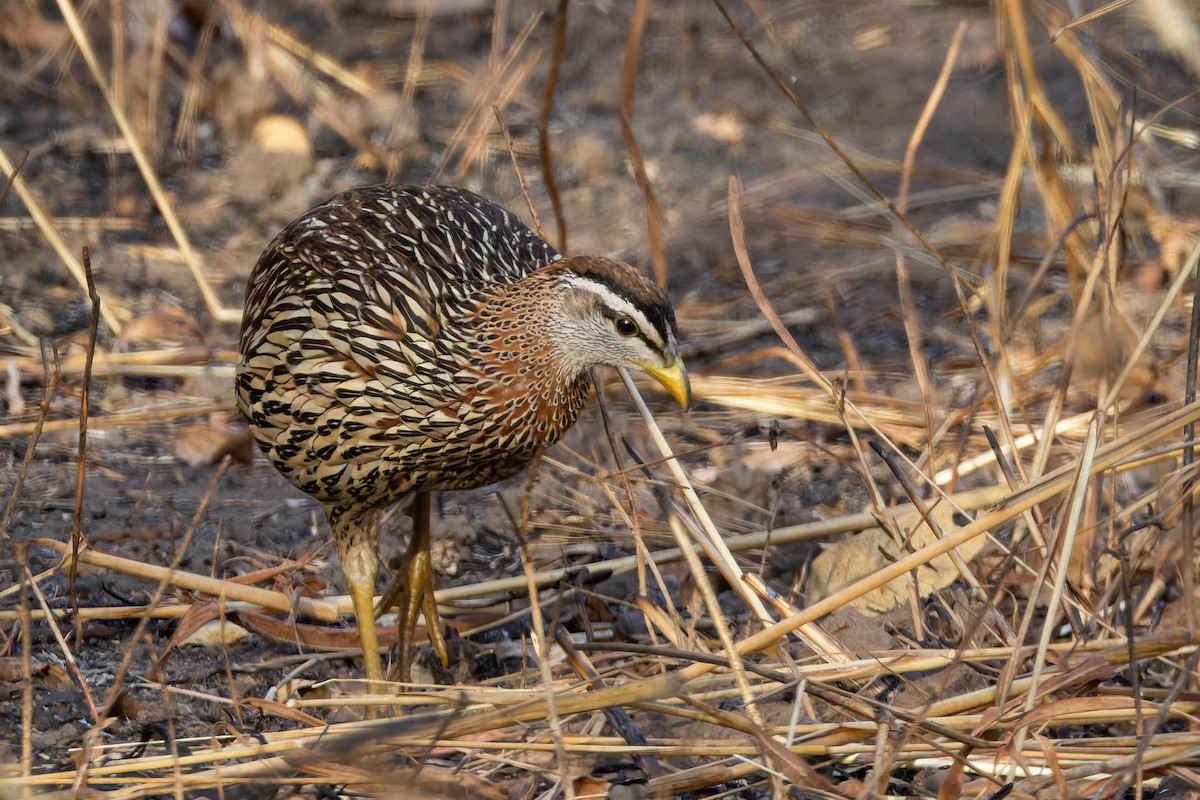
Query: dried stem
[163, 203]
[629, 73]
[81, 467]
[544, 152]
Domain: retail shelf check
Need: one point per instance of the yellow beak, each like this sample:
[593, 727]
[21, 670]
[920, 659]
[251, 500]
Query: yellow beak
[674, 379]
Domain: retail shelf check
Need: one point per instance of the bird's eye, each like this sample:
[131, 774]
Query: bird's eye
[625, 326]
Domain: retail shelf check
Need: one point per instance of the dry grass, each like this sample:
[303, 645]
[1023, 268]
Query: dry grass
[1036, 433]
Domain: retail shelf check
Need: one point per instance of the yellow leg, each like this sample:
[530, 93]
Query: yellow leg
[417, 594]
[364, 614]
[356, 549]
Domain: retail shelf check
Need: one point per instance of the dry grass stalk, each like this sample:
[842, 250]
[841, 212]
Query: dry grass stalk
[548, 176]
[75, 224]
[329, 608]
[629, 74]
[26, 622]
[1050, 486]
[46, 225]
[719, 554]
[897, 421]
[715, 543]
[128, 418]
[1152, 328]
[174, 362]
[213, 587]
[194, 263]
[516, 165]
[339, 736]
[907, 304]
[506, 76]
[60, 640]
[540, 634]
[912, 754]
[285, 41]
[969, 501]
[1070, 529]
[88, 613]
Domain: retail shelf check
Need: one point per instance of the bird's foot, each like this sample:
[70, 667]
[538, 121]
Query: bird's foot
[411, 592]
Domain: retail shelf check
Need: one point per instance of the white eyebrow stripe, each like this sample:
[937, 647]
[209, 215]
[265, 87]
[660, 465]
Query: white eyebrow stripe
[620, 305]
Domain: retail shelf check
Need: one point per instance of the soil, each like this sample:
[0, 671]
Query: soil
[704, 111]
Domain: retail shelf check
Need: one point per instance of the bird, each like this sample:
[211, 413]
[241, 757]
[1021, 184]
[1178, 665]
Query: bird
[403, 340]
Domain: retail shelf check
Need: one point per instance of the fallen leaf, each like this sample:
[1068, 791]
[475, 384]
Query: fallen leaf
[216, 633]
[165, 326]
[280, 710]
[201, 445]
[873, 549]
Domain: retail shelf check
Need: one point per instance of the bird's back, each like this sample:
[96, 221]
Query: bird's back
[349, 343]
[439, 243]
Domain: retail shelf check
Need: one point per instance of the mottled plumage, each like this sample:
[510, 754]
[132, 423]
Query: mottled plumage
[412, 339]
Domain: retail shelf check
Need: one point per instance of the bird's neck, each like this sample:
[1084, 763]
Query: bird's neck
[530, 368]
[525, 323]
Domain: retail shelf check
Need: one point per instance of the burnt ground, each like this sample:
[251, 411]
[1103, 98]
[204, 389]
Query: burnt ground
[704, 111]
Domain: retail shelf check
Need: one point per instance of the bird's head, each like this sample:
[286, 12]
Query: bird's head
[612, 315]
